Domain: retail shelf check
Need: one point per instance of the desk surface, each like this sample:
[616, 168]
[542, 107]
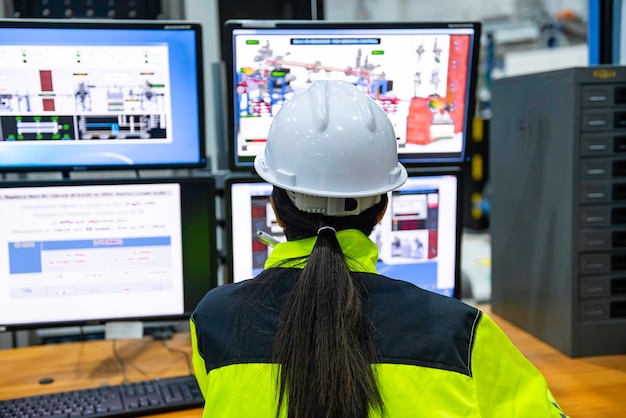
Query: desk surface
[584, 387]
[91, 364]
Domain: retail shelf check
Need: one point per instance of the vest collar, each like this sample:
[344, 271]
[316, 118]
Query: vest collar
[360, 252]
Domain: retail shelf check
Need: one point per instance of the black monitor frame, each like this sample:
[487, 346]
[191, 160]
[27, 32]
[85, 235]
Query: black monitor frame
[119, 156]
[245, 164]
[199, 244]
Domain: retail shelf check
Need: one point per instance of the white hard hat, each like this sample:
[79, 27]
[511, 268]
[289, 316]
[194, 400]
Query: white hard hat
[332, 141]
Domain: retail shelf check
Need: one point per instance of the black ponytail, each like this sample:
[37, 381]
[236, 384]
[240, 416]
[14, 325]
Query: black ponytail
[325, 342]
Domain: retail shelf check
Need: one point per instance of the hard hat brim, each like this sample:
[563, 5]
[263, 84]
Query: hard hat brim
[397, 177]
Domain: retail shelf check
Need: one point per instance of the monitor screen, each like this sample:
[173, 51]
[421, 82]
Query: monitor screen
[418, 238]
[422, 74]
[80, 95]
[88, 252]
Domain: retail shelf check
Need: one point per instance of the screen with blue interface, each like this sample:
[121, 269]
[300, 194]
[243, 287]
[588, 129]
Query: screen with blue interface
[79, 95]
[423, 75]
[418, 238]
[89, 252]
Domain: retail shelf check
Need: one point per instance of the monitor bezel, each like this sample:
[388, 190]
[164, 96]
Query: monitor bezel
[194, 256]
[82, 24]
[455, 171]
[410, 160]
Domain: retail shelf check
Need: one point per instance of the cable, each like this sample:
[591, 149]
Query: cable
[120, 361]
[122, 364]
[181, 352]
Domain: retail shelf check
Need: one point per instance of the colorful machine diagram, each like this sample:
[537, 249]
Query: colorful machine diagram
[423, 93]
[84, 93]
[437, 116]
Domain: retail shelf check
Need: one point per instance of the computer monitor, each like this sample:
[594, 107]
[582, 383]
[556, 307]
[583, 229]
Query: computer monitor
[84, 95]
[422, 74]
[88, 252]
[418, 238]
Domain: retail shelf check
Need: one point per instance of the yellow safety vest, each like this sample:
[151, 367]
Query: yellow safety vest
[439, 356]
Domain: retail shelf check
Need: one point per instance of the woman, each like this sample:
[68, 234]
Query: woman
[319, 333]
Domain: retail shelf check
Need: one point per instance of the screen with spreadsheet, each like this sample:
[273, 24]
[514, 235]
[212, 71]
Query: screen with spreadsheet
[87, 252]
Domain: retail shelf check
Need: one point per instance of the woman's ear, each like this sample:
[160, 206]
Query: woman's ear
[382, 213]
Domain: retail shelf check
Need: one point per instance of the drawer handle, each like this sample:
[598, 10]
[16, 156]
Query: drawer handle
[596, 171]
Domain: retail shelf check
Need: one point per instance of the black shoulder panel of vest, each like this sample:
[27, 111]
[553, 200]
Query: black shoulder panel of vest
[236, 323]
[418, 327]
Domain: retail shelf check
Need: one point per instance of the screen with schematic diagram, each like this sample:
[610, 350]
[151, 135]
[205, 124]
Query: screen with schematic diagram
[422, 74]
[79, 95]
[418, 238]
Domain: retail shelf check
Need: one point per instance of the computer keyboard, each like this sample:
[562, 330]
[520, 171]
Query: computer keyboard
[123, 400]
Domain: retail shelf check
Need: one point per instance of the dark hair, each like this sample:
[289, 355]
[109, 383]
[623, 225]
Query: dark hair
[325, 341]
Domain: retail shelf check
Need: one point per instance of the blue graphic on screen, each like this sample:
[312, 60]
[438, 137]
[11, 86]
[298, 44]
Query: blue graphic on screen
[87, 97]
[26, 257]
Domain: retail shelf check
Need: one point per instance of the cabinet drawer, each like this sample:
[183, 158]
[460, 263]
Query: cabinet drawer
[602, 144]
[594, 263]
[602, 286]
[603, 95]
[595, 192]
[595, 216]
[603, 119]
[601, 240]
[602, 216]
[601, 263]
[594, 240]
[596, 169]
[602, 309]
[591, 169]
